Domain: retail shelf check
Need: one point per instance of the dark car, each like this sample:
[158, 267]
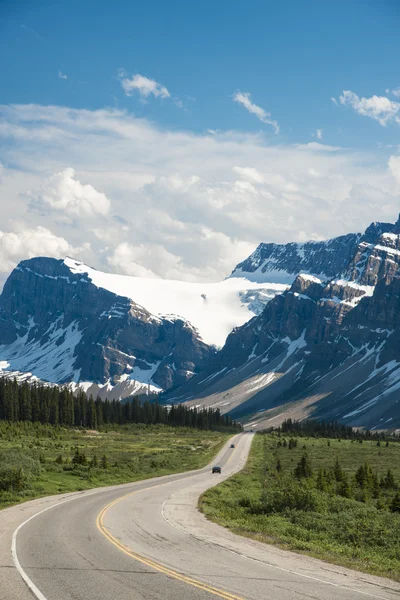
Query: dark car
[232, 445]
[216, 469]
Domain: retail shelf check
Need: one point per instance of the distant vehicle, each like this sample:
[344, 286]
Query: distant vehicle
[216, 469]
[232, 445]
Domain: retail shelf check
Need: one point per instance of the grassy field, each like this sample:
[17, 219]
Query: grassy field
[38, 460]
[342, 520]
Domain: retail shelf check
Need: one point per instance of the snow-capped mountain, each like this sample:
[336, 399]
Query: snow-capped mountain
[214, 309]
[63, 322]
[281, 263]
[327, 348]
[308, 329]
[58, 325]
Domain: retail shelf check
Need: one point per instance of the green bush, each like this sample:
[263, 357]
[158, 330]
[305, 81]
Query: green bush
[17, 470]
[290, 495]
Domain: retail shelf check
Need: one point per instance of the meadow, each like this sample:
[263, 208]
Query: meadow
[38, 460]
[335, 499]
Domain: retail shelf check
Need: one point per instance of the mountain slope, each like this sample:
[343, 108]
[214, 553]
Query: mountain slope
[323, 348]
[58, 325]
[212, 308]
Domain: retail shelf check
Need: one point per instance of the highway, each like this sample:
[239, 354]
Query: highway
[147, 541]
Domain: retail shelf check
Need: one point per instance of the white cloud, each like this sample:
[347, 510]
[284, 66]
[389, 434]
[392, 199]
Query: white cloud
[143, 86]
[395, 92]
[250, 173]
[379, 108]
[184, 205]
[319, 134]
[28, 242]
[62, 192]
[244, 98]
[62, 75]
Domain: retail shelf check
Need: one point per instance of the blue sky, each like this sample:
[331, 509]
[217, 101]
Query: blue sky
[168, 139]
[291, 56]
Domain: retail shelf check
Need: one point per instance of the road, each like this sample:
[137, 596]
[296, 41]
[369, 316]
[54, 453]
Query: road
[147, 541]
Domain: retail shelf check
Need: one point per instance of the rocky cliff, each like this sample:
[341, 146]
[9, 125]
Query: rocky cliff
[326, 348]
[61, 327]
[325, 259]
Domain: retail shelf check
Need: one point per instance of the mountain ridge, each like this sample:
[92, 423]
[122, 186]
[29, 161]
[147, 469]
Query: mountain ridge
[289, 344]
[317, 345]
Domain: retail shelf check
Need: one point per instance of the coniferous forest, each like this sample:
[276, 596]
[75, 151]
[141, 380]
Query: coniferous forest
[59, 406]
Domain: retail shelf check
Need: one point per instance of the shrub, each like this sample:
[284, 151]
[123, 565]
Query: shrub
[17, 470]
[290, 495]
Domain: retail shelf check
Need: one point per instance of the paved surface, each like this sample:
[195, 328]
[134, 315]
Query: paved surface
[147, 541]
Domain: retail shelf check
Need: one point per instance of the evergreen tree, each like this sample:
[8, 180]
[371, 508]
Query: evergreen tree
[395, 503]
[303, 469]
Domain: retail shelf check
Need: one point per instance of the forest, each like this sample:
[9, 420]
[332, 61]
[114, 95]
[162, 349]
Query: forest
[56, 405]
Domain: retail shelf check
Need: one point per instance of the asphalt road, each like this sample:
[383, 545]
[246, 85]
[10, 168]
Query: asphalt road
[147, 541]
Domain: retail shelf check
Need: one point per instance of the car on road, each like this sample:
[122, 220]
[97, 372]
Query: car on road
[216, 470]
[232, 445]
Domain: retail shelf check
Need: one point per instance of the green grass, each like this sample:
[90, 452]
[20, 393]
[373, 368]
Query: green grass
[278, 509]
[132, 453]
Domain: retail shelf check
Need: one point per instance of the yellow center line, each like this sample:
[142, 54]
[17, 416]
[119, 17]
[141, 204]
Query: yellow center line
[151, 563]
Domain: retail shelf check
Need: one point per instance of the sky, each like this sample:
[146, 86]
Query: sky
[168, 139]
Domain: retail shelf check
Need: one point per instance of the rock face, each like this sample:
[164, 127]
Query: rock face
[324, 348]
[283, 262]
[62, 328]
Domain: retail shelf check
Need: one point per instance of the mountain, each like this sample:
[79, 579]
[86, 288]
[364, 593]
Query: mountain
[62, 322]
[58, 325]
[296, 330]
[281, 263]
[326, 347]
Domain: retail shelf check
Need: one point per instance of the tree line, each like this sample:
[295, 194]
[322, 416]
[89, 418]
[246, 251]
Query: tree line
[331, 429]
[60, 406]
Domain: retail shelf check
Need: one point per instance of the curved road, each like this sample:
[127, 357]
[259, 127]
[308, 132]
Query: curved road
[147, 541]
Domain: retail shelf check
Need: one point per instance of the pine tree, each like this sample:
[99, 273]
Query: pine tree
[338, 472]
[395, 503]
[303, 469]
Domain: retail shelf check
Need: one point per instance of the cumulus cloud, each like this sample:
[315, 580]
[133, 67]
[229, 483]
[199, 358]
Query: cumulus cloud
[379, 108]
[244, 98]
[62, 75]
[142, 85]
[319, 134]
[28, 242]
[63, 192]
[184, 205]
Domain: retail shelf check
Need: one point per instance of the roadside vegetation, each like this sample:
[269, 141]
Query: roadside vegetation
[41, 459]
[321, 490]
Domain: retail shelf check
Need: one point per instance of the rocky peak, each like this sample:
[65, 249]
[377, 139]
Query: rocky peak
[283, 262]
[61, 327]
[373, 262]
[375, 231]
